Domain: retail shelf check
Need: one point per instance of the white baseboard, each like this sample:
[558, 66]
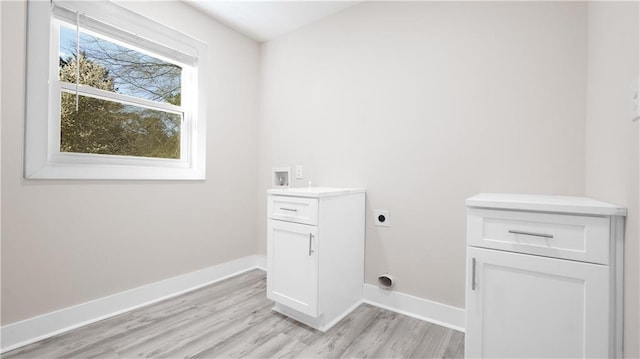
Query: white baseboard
[434, 312]
[27, 331]
[261, 262]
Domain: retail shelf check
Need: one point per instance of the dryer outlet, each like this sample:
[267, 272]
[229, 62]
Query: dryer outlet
[381, 218]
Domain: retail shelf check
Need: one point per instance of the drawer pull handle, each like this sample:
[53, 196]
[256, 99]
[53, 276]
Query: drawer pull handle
[544, 235]
[310, 238]
[288, 209]
[473, 273]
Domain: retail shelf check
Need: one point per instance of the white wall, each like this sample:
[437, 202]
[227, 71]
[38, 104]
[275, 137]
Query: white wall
[67, 242]
[425, 104]
[612, 139]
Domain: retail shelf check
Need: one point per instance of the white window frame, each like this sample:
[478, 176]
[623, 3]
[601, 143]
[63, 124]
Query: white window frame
[43, 158]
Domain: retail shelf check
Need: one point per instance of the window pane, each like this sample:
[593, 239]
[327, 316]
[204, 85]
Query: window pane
[107, 127]
[112, 67]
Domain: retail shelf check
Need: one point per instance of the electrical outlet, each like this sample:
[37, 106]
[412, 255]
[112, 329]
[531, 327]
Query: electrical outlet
[381, 218]
[299, 172]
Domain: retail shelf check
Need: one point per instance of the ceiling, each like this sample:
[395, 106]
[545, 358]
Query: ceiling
[265, 20]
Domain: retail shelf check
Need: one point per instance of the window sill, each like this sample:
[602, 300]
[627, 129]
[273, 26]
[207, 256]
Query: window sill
[113, 172]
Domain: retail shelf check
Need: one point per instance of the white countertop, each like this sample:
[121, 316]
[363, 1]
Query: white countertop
[543, 203]
[313, 192]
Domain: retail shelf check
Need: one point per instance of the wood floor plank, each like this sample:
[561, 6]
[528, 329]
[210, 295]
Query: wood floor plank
[97, 337]
[339, 338]
[455, 347]
[215, 317]
[272, 346]
[245, 342]
[162, 322]
[433, 342]
[211, 344]
[203, 322]
[401, 338]
[234, 319]
[369, 343]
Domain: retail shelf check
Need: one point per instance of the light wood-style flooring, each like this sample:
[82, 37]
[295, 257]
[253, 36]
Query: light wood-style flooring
[233, 319]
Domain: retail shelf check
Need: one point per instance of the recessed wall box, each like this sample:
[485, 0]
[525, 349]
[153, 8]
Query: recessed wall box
[281, 177]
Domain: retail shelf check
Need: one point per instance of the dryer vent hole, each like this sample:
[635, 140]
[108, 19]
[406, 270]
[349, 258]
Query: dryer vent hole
[385, 282]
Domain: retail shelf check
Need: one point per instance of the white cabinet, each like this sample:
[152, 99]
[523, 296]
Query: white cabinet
[293, 265]
[544, 277]
[315, 253]
[537, 307]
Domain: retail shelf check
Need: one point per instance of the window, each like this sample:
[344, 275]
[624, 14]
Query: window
[112, 95]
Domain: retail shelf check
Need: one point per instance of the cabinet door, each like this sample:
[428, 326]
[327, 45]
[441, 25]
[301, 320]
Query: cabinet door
[292, 265]
[521, 306]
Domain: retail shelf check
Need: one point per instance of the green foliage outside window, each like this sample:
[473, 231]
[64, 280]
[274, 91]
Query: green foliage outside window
[100, 126]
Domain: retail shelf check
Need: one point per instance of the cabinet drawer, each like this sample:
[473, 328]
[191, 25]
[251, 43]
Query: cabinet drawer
[293, 209]
[582, 238]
